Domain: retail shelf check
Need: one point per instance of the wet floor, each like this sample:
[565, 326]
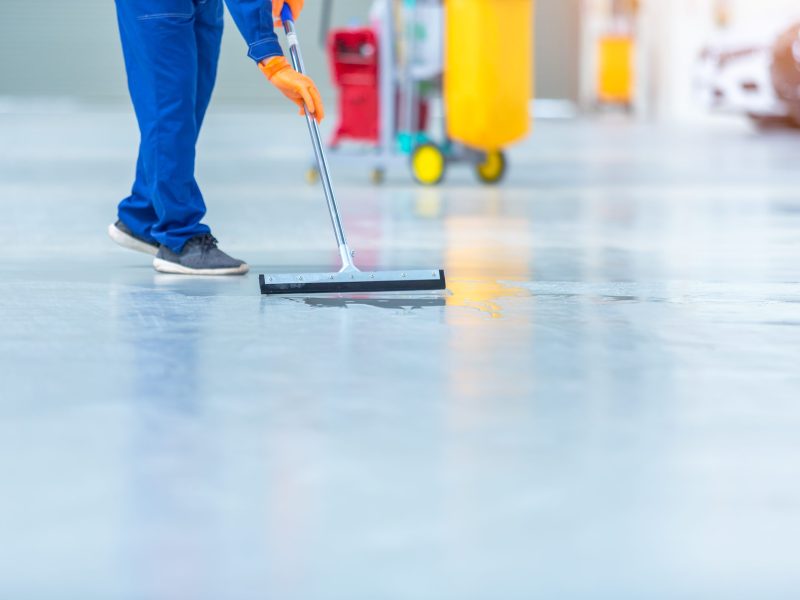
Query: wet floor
[604, 404]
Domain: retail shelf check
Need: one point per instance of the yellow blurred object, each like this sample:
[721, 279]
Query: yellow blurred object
[722, 13]
[427, 164]
[488, 82]
[493, 167]
[481, 262]
[615, 79]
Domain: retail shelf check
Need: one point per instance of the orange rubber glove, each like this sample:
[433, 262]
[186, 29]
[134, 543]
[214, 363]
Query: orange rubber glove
[295, 86]
[277, 5]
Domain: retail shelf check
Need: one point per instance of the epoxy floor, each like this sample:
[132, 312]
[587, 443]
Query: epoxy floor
[605, 404]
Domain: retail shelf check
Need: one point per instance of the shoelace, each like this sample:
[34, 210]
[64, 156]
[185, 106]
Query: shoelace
[206, 242]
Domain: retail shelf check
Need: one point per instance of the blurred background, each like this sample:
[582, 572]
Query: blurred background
[602, 404]
[670, 59]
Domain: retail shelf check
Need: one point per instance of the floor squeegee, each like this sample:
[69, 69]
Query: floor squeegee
[349, 278]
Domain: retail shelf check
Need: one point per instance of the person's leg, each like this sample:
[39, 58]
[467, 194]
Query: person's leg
[208, 26]
[136, 211]
[161, 54]
[208, 33]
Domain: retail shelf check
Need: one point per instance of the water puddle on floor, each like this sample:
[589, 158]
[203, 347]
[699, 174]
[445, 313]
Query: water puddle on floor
[387, 303]
[488, 257]
[483, 294]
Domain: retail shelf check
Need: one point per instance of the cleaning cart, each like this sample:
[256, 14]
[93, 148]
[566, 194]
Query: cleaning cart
[470, 59]
[355, 72]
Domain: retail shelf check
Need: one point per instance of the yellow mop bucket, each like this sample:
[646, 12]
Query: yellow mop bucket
[488, 75]
[615, 80]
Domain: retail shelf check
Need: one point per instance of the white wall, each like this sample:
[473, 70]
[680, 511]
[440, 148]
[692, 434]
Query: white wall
[673, 32]
[744, 11]
[70, 49]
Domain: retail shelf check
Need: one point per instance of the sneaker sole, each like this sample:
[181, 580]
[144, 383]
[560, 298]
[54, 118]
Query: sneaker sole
[166, 266]
[130, 242]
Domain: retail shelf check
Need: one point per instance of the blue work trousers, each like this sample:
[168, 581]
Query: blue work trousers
[171, 50]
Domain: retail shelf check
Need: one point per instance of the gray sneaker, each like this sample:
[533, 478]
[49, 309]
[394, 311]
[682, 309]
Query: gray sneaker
[122, 235]
[200, 256]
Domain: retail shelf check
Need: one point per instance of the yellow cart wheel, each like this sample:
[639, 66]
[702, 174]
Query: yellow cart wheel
[312, 175]
[493, 167]
[377, 176]
[428, 164]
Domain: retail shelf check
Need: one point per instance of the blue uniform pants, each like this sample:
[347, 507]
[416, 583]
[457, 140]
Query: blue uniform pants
[171, 50]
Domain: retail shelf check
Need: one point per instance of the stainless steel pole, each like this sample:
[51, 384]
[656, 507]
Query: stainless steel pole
[319, 153]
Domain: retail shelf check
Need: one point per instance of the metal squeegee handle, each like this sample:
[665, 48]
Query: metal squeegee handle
[316, 140]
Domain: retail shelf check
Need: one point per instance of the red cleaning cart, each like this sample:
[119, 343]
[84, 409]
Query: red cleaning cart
[354, 61]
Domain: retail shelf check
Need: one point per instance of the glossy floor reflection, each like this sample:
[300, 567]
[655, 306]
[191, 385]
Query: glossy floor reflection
[603, 405]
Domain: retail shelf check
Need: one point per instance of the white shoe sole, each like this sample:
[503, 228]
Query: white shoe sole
[130, 242]
[165, 266]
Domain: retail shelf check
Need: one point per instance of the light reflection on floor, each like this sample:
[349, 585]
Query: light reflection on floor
[602, 405]
[485, 267]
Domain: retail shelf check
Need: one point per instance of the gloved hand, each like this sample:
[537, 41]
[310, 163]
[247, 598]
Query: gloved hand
[277, 5]
[295, 86]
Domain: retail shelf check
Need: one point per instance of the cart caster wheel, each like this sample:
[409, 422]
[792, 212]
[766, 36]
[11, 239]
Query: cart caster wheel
[377, 176]
[428, 164]
[493, 167]
[312, 175]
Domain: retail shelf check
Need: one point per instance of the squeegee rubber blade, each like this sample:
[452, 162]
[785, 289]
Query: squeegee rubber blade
[344, 287]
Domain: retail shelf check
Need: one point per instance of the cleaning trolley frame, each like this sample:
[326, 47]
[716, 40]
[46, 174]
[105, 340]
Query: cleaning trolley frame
[394, 98]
